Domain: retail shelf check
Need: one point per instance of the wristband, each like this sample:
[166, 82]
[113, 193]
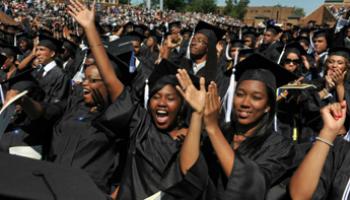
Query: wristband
[325, 141]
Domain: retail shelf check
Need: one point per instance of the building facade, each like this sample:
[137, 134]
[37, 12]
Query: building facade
[256, 15]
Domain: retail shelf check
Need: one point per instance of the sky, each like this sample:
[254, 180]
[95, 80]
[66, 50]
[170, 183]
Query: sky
[308, 5]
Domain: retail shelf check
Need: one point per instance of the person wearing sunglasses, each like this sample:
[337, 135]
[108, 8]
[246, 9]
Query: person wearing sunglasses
[294, 59]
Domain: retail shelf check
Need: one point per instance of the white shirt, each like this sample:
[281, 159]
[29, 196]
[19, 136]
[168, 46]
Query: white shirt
[197, 67]
[48, 67]
[137, 63]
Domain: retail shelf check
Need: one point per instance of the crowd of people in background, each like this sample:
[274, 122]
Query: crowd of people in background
[168, 105]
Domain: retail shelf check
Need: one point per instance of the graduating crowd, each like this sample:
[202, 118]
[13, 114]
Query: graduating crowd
[183, 106]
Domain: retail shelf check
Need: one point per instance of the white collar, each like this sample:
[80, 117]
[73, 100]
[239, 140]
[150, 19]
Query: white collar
[49, 66]
[197, 67]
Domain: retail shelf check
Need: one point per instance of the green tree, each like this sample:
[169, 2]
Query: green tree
[299, 12]
[177, 5]
[229, 7]
[240, 9]
[204, 6]
[123, 1]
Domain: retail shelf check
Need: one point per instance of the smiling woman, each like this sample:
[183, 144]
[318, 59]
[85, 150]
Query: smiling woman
[251, 155]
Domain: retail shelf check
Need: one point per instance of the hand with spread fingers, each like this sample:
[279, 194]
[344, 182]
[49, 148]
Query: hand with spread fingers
[338, 76]
[81, 13]
[193, 96]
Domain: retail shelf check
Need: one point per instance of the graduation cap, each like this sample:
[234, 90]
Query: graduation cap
[24, 178]
[121, 53]
[186, 31]
[141, 28]
[293, 47]
[163, 74]
[237, 44]
[24, 36]
[257, 67]
[155, 34]
[50, 42]
[340, 51]
[135, 36]
[175, 24]
[69, 45]
[219, 33]
[303, 39]
[274, 29]
[128, 27]
[22, 80]
[9, 51]
[244, 53]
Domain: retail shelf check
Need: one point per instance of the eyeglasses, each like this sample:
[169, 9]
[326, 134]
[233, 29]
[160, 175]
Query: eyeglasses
[198, 40]
[92, 80]
[292, 61]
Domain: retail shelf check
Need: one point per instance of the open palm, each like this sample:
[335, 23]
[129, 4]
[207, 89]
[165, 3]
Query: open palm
[193, 96]
[82, 14]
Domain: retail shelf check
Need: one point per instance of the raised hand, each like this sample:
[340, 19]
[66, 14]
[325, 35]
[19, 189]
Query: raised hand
[193, 96]
[212, 108]
[333, 116]
[338, 76]
[82, 14]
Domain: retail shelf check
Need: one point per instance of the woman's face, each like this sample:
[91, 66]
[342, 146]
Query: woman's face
[164, 106]
[250, 101]
[336, 62]
[93, 81]
[150, 42]
[292, 62]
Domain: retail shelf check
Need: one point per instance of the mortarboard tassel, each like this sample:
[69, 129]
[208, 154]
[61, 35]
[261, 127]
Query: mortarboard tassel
[188, 51]
[231, 90]
[240, 33]
[281, 55]
[311, 42]
[228, 57]
[2, 95]
[15, 40]
[146, 94]
[275, 117]
[132, 64]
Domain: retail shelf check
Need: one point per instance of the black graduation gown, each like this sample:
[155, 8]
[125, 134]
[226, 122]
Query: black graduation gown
[253, 173]
[270, 51]
[310, 105]
[55, 84]
[335, 175]
[152, 164]
[79, 142]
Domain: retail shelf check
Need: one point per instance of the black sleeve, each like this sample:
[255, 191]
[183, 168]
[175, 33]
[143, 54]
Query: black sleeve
[124, 116]
[251, 178]
[195, 184]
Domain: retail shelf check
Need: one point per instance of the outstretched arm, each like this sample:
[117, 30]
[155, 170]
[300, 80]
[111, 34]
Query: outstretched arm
[305, 180]
[86, 18]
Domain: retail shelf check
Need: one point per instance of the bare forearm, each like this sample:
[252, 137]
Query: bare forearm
[191, 147]
[114, 86]
[26, 61]
[340, 92]
[305, 180]
[223, 150]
